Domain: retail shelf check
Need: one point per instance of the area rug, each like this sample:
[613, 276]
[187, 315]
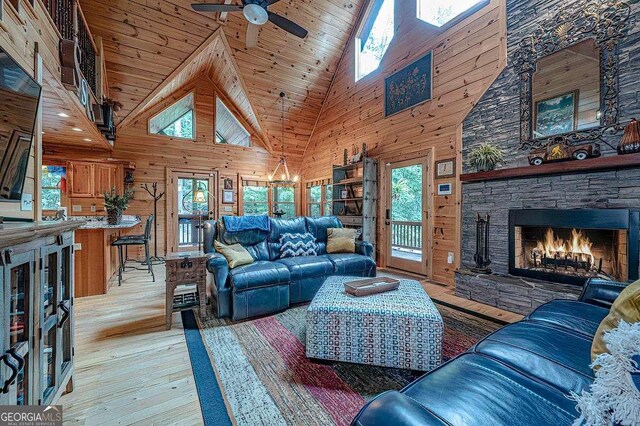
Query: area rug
[265, 377]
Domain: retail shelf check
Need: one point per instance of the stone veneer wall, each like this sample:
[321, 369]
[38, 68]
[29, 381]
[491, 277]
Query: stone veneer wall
[496, 117]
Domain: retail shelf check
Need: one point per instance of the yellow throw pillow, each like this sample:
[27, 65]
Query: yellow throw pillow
[341, 240]
[625, 307]
[235, 254]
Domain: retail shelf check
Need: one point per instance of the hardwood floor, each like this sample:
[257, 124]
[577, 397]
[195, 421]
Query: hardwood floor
[129, 368]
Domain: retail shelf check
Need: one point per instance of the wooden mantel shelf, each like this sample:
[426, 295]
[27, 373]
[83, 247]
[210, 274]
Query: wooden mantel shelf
[591, 164]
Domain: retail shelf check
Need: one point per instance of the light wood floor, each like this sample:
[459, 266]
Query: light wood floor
[129, 368]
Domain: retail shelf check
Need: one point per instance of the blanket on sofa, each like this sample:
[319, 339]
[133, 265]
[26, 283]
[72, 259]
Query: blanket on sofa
[246, 223]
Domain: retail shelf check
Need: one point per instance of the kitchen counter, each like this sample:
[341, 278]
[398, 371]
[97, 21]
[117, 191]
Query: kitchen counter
[96, 260]
[102, 224]
[13, 233]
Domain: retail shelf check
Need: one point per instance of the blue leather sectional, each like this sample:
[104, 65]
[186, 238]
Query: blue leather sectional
[520, 375]
[271, 284]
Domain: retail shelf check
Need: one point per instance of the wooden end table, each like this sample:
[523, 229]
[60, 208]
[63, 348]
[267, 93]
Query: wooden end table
[186, 268]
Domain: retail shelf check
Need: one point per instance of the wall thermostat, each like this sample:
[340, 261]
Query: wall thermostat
[444, 189]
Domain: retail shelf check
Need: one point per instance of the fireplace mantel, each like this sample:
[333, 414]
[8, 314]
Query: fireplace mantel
[591, 164]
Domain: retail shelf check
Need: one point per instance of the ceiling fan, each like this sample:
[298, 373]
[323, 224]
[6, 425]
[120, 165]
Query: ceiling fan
[255, 11]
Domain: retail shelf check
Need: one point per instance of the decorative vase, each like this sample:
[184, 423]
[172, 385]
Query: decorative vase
[630, 142]
[114, 217]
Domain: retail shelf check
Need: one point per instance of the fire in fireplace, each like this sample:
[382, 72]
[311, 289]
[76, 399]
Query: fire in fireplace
[571, 246]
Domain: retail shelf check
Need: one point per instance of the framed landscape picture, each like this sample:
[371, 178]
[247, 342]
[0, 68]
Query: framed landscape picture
[408, 87]
[556, 115]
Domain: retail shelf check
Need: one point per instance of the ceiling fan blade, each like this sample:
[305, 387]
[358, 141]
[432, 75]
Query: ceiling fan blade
[252, 35]
[208, 7]
[272, 2]
[288, 25]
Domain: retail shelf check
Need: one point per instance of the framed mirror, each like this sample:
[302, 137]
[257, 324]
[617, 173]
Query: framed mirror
[568, 75]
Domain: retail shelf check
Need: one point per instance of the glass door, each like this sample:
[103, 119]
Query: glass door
[65, 306]
[406, 215]
[17, 360]
[51, 304]
[195, 204]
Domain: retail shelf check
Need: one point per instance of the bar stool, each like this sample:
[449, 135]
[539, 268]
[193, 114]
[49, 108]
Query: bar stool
[135, 240]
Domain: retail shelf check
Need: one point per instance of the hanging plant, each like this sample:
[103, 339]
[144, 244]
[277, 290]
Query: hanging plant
[485, 157]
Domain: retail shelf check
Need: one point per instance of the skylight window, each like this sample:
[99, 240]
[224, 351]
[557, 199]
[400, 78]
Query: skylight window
[228, 129]
[439, 12]
[175, 121]
[374, 37]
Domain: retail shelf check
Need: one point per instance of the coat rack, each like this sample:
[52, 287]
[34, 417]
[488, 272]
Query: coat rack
[156, 197]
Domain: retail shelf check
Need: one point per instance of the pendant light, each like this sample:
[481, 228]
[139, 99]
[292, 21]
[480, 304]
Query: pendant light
[284, 179]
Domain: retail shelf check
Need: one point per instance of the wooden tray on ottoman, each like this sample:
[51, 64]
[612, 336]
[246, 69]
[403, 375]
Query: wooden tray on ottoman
[371, 286]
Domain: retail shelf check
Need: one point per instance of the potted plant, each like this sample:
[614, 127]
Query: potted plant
[115, 204]
[485, 157]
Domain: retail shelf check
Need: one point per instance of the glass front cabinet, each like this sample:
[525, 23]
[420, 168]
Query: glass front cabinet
[37, 320]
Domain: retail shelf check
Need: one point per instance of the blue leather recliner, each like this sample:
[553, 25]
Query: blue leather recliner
[520, 375]
[271, 284]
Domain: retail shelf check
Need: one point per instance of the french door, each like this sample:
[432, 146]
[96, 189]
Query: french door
[406, 215]
[192, 202]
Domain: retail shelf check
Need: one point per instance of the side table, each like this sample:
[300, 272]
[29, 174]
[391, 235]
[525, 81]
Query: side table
[186, 268]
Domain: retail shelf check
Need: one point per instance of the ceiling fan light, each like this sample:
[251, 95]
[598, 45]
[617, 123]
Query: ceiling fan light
[255, 14]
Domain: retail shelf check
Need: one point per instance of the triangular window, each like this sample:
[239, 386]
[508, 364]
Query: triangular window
[374, 37]
[176, 120]
[228, 129]
[439, 12]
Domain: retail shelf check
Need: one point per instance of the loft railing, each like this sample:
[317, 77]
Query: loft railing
[406, 235]
[69, 20]
[61, 12]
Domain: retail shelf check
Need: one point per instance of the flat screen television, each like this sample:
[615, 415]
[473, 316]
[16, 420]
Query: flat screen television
[19, 99]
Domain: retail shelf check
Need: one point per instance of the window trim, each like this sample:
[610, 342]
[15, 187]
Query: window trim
[324, 200]
[456, 19]
[240, 122]
[193, 119]
[371, 7]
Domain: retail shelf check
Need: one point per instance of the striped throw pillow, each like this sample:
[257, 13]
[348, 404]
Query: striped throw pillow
[294, 245]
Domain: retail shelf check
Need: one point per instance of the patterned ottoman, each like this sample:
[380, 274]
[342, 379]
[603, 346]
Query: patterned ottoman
[400, 328]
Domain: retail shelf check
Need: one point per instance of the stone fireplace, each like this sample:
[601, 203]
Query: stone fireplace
[573, 245]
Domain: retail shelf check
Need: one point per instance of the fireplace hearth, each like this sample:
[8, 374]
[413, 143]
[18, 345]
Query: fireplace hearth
[573, 245]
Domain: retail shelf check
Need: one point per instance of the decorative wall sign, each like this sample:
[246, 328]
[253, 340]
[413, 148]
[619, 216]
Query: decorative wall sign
[410, 86]
[445, 189]
[605, 21]
[228, 183]
[227, 196]
[557, 115]
[446, 168]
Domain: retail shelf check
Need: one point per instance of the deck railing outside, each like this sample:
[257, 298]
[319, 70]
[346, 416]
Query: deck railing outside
[406, 235]
[188, 229]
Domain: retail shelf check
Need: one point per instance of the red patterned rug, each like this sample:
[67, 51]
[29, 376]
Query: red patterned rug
[266, 378]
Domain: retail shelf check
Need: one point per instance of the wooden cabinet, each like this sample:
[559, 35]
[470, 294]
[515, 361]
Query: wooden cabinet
[36, 316]
[106, 179]
[81, 180]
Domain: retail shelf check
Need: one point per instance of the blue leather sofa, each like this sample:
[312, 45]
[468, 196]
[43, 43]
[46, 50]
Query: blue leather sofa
[520, 375]
[271, 284]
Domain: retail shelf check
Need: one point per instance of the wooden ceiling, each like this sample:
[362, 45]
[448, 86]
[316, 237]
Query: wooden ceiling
[145, 41]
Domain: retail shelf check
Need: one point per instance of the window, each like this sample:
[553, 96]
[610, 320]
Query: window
[228, 129]
[52, 181]
[439, 12]
[319, 200]
[175, 121]
[284, 200]
[328, 200]
[255, 200]
[315, 201]
[374, 37]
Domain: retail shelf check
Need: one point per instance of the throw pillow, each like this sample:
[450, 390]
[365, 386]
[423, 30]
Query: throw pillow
[235, 254]
[626, 307]
[293, 245]
[341, 240]
[614, 395]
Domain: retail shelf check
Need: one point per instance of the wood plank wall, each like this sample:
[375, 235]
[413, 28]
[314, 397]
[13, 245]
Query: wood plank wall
[153, 155]
[468, 56]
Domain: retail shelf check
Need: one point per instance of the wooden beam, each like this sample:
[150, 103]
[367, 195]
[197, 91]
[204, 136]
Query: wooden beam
[37, 144]
[167, 81]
